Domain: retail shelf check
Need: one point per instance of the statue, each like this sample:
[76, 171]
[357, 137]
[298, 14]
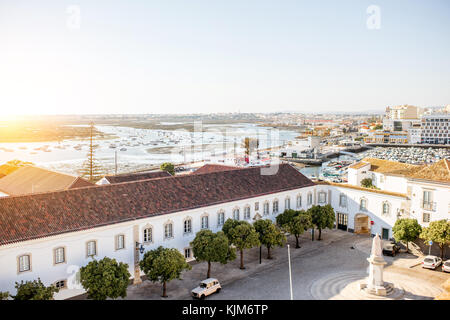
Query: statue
[375, 284]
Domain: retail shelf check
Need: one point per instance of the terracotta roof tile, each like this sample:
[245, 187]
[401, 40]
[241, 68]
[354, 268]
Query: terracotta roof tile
[207, 168]
[127, 177]
[40, 215]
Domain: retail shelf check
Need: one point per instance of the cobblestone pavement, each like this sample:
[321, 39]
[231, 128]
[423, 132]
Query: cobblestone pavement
[340, 258]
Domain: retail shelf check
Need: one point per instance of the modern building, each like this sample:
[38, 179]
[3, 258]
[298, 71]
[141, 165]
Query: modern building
[435, 129]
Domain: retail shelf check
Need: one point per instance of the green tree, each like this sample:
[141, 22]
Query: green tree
[269, 235]
[242, 235]
[322, 217]
[4, 295]
[212, 247]
[295, 223]
[169, 167]
[438, 232]
[105, 278]
[367, 183]
[34, 290]
[163, 265]
[407, 230]
[91, 169]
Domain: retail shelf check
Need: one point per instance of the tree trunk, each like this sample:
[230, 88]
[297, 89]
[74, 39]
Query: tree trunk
[407, 246]
[269, 256]
[209, 270]
[320, 234]
[296, 242]
[441, 246]
[242, 259]
[164, 295]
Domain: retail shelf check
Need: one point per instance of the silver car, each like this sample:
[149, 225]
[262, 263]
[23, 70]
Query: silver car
[206, 287]
[446, 266]
[431, 262]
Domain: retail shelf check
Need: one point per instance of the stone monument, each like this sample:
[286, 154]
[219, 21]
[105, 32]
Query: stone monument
[375, 284]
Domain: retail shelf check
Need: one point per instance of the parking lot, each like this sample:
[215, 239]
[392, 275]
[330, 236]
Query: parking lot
[320, 270]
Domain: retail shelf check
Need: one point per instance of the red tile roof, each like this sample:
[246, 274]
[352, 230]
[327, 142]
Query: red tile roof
[40, 215]
[214, 168]
[127, 177]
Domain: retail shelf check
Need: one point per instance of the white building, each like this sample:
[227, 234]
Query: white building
[435, 129]
[51, 235]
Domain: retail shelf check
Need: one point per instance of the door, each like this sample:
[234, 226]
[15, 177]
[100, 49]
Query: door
[385, 234]
[342, 221]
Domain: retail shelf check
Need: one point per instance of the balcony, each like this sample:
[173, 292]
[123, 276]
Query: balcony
[429, 206]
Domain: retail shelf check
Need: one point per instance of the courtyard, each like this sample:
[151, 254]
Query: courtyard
[327, 269]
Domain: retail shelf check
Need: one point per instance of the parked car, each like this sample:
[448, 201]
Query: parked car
[431, 262]
[390, 248]
[206, 287]
[446, 266]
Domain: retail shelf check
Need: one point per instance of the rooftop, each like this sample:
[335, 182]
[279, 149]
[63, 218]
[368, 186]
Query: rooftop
[45, 214]
[31, 179]
[214, 168]
[345, 185]
[127, 177]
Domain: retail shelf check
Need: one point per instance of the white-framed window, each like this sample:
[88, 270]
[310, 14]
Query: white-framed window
[220, 218]
[187, 253]
[309, 199]
[322, 197]
[59, 255]
[120, 242]
[256, 206]
[343, 200]
[247, 213]
[427, 196]
[91, 248]
[168, 230]
[386, 208]
[275, 206]
[299, 201]
[24, 263]
[187, 225]
[148, 235]
[266, 208]
[236, 214]
[426, 217]
[363, 204]
[205, 222]
[287, 203]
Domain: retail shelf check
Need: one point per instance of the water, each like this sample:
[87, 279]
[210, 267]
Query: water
[145, 147]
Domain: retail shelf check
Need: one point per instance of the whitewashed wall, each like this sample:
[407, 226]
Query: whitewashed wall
[41, 250]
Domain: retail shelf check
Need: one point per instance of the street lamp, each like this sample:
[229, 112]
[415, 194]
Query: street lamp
[290, 272]
[140, 247]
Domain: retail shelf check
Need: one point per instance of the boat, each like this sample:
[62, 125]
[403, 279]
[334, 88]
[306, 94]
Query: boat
[123, 149]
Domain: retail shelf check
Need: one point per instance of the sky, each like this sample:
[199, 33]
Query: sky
[202, 56]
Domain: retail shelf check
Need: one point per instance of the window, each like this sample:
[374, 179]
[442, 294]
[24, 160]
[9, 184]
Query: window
[309, 199]
[247, 213]
[168, 231]
[91, 248]
[386, 208]
[62, 284]
[187, 253]
[188, 225]
[120, 242]
[24, 263]
[148, 235]
[343, 200]
[205, 223]
[236, 214]
[59, 255]
[256, 206]
[266, 208]
[275, 206]
[426, 197]
[220, 218]
[322, 197]
[426, 217]
[363, 204]
[287, 203]
[299, 201]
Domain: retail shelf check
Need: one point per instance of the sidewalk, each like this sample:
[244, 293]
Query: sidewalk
[180, 289]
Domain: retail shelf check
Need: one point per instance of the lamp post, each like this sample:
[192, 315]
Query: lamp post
[260, 253]
[290, 272]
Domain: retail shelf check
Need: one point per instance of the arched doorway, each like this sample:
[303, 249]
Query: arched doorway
[362, 224]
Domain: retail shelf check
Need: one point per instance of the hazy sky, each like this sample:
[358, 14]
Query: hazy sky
[170, 56]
